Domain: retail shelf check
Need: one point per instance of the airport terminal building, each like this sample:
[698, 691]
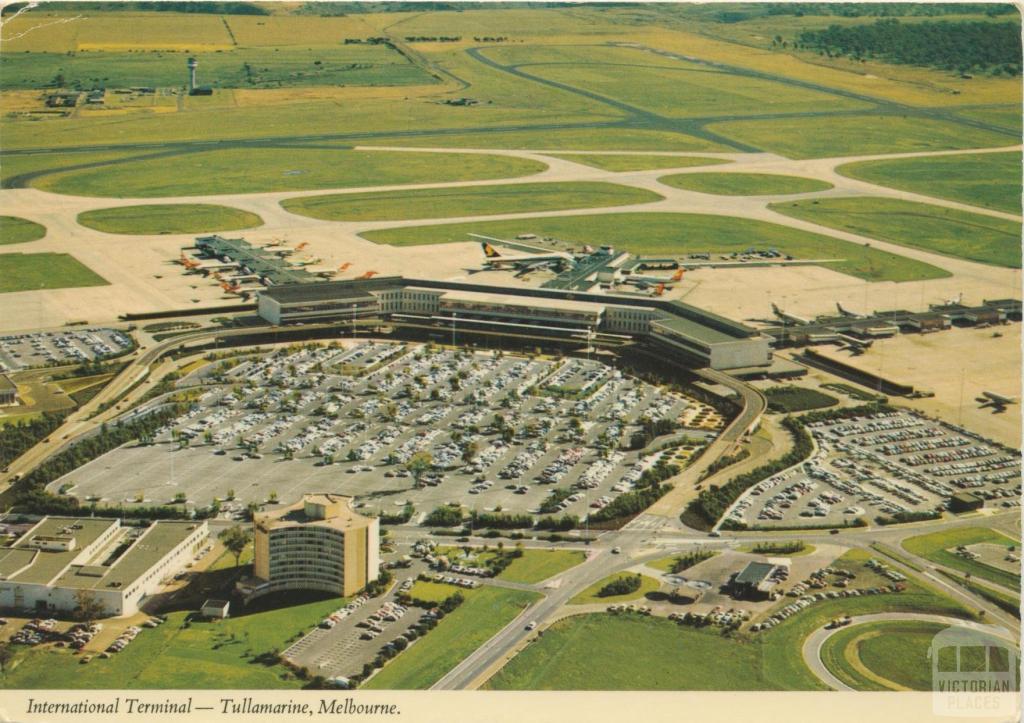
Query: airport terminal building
[318, 543]
[699, 336]
[49, 566]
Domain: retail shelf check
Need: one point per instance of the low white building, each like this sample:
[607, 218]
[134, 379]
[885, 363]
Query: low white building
[48, 568]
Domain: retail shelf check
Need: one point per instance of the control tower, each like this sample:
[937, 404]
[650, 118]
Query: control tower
[192, 65]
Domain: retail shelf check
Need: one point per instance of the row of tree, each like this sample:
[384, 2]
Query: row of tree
[712, 502]
[18, 438]
[945, 45]
[886, 10]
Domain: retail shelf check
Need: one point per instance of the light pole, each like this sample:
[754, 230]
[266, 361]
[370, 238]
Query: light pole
[589, 332]
[353, 322]
[453, 328]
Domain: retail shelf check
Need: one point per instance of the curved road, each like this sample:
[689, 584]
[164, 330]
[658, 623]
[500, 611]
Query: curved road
[814, 642]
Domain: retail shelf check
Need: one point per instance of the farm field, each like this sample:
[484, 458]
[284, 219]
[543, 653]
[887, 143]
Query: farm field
[481, 200]
[863, 134]
[223, 654]
[29, 272]
[935, 547]
[14, 230]
[933, 228]
[485, 611]
[991, 180]
[230, 67]
[625, 162]
[673, 233]
[744, 184]
[867, 656]
[634, 653]
[169, 218]
[590, 595]
[254, 170]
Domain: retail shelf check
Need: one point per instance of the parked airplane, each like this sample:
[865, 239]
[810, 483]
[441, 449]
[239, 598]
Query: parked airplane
[791, 318]
[848, 313]
[496, 260]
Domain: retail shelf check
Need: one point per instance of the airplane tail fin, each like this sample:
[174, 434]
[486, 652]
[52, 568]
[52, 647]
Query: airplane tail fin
[489, 251]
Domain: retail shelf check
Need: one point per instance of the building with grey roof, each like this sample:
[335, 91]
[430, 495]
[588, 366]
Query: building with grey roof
[49, 566]
[698, 336]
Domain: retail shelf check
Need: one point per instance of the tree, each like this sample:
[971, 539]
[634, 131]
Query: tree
[469, 451]
[87, 606]
[418, 464]
[235, 540]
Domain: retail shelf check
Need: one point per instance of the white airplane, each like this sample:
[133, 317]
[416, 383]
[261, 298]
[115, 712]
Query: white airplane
[496, 260]
[847, 313]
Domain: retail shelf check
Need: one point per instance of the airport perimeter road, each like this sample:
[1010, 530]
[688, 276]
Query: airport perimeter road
[814, 642]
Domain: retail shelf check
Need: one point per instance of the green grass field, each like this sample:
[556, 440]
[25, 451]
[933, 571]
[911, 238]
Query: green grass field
[1003, 600]
[647, 584]
[237, 68]
[470, 201]
[935, 547]
[798, 399]
[537, 565]
[744, 184]
[170, 218]
[675, 234]
[895, 651]
[625, 162]
[851, 135]
[932, 228]
[204, 655]
[29, 272]
[679, 89]
[1008, 116]
[559, 139]
[991, 180]
[531, 567]
[254, 170]
[14, 230]
[632, 652]
[666, 564]
[485, 611]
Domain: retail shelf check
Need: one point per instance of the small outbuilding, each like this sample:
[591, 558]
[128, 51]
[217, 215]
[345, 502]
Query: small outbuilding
[965, 502]
[215, 609]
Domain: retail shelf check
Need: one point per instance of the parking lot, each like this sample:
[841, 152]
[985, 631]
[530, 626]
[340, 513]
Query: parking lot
[49, 348]
[496, 431]
[353, 635]
[885, 464]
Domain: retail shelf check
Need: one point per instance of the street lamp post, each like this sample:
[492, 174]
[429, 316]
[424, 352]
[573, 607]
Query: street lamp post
[353, 321]
[453, 328]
